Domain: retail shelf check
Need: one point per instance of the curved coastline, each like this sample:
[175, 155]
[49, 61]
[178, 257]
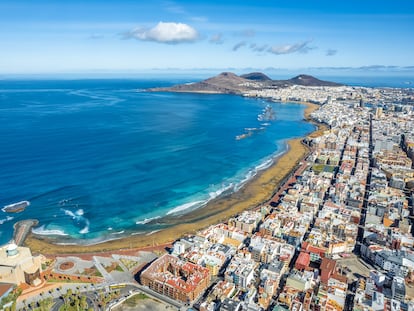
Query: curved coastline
[258, 190]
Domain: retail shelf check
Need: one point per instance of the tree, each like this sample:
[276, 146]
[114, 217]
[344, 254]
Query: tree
[83, 303]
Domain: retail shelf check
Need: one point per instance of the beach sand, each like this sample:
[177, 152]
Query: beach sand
[259, 190]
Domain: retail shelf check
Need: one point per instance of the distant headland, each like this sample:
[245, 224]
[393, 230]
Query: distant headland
[230, 83]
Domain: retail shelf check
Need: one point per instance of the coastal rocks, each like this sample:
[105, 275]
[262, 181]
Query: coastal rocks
[16, 207]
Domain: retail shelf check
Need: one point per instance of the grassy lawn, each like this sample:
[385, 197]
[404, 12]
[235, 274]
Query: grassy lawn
[134, 300]
[318, 168]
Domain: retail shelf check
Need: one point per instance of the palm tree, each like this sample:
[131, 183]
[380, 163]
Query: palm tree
[83, 303]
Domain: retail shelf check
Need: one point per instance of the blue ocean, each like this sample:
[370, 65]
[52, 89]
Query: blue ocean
[98, 159]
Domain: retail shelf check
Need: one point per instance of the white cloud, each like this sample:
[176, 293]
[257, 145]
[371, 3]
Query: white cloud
[165, 33]
[301, 47]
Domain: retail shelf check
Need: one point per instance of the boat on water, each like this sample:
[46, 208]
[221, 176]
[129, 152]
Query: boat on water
[268, 114]
[16, 207]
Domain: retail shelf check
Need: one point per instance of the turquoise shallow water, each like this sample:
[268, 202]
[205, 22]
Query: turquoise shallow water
[98, 158]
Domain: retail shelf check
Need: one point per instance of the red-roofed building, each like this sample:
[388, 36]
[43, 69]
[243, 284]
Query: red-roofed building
[303, 261]
[5, 289]
[316, 253]
[175, 278]
[328, 268]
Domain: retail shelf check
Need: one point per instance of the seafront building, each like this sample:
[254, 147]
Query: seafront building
[175, 278]
[18, 266]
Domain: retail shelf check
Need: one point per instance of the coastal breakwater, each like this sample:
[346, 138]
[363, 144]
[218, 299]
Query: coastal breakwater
[22, 229]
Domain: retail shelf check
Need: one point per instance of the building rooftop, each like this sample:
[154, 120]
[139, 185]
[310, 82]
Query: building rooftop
[22, 254]
[177, 273]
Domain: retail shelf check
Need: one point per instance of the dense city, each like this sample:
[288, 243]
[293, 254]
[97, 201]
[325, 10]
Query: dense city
[336, 235]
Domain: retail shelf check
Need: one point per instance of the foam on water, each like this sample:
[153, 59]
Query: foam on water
[152, 232]
[185, 206]
[79, 219]
[119, 232]
[4, 220]
[146, 220]
[218, 192]
[43, 231]
[86, 228]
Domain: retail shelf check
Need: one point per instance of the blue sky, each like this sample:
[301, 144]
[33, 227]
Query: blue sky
[80, 36]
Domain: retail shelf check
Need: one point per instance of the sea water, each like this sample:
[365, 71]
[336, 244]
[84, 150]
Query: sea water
[99, 159]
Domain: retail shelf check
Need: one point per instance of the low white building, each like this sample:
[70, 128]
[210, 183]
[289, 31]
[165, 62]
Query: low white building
[17, 265]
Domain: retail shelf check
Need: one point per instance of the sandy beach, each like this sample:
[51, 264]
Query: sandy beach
[259, 190]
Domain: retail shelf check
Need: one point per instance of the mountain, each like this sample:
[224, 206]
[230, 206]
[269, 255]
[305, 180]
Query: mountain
[230, 83]
[224, 83]
[256, 76]
[307, 80]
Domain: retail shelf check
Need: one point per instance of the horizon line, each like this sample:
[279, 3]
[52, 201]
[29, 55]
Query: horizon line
[367, 68]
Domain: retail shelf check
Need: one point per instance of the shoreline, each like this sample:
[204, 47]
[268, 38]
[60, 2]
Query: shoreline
[257, 191]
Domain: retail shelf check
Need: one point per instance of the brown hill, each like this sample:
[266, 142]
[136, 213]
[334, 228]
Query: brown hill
[256, 76]
[224, 83]
[230, 83]
[307, 80]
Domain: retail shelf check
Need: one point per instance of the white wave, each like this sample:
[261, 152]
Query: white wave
[110, 229]
[215, 194]
[264, 165]
[146, 220]
[86, 228]
[69, 213]
[78, 216]
[8, 218]
[185, 206]
[43, 231]
[250, 174]
[152, 232]
[119, 232]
